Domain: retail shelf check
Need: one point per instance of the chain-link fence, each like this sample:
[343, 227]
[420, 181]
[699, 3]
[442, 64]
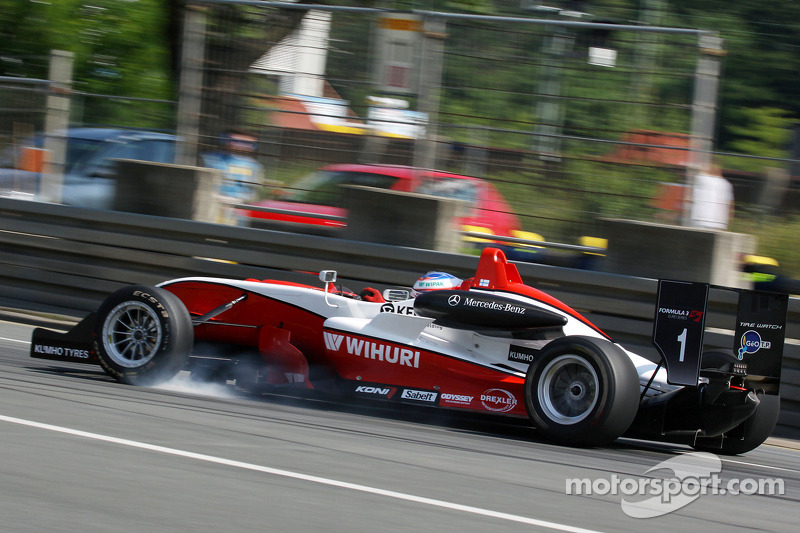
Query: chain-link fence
[22, 106]
[571, 120]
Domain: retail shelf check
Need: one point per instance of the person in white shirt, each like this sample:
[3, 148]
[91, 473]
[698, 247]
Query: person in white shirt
[712, 200]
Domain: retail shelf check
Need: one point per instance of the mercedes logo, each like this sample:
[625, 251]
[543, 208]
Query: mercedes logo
[454, 300]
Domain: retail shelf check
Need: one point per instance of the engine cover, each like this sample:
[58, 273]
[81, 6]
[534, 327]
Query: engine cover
[477, 309]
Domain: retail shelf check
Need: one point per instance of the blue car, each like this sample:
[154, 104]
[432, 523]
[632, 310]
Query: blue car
[89, 173]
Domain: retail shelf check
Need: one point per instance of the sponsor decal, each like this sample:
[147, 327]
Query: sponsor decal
[498, 400]
[333, 342]
[469, 301]
[422, 284]
[386, 392]
[682, 314]
[760, 326]
[521, 354]
[159, 308]
[457, 399]
[398, 309]
[455, 300]
[419, 395]
[751, 343]
[378, 351]
[61, 351]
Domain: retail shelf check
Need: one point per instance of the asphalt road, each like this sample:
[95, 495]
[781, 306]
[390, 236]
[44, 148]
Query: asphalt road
[79, 452]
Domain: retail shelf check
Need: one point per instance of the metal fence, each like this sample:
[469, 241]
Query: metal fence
[22, 108]
[572, 120]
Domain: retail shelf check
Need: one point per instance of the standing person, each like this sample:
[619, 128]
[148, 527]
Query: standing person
[242, 175]
[712, 200]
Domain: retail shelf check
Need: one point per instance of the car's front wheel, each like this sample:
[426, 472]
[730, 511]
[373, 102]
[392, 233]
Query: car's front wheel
[582, 391]
[143, 335]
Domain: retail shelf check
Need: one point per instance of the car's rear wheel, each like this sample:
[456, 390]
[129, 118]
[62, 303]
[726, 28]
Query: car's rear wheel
[143, 335]
[582, 391]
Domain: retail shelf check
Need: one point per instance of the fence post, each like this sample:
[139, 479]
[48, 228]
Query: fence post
[55, 125]
[191, 84]
[549, 109]
[704, 110]
[430, 85]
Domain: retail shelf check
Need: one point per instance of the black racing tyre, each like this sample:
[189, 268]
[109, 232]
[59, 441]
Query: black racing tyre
[751, 433]
[143, 335]
[582, 391]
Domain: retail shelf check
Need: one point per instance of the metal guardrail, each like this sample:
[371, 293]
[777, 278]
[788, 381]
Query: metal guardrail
[65, 258]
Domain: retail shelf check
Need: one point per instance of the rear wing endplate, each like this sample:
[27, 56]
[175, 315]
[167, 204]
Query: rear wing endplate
[759, 334]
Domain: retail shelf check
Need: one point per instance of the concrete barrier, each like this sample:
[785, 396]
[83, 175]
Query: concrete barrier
[167, 190]
[402, 219]
[656, 251]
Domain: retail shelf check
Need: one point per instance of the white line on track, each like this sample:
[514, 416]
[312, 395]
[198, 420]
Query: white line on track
[303, 477]
[760, 465]
[14, 340]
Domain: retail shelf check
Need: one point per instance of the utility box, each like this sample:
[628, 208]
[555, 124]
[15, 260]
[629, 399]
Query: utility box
[166, 190]
[402, 218]
[652, 250]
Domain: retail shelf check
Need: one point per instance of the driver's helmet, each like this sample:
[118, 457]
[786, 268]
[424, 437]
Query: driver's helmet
[434, 281]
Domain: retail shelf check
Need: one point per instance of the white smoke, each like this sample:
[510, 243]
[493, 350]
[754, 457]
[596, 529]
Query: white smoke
[183, 383]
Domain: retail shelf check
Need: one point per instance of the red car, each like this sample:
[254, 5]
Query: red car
[315, 201]
[486, 344]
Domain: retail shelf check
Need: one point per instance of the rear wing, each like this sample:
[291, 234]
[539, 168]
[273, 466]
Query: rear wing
[759, 333]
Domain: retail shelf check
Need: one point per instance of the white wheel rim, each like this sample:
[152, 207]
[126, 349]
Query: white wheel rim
[568, 389]
[131, 334]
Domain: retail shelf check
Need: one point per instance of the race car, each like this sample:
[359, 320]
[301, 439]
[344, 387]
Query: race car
[489, 343]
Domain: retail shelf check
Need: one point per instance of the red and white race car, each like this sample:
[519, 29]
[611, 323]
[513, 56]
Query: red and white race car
[490, 344]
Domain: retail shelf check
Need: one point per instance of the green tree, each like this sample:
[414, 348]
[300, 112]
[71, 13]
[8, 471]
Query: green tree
[119, 48]
[761, 68]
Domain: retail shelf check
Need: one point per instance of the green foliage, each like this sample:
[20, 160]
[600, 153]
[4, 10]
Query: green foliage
[565, 200]
[491, 86]
[761, 66]
[776, 237]
[119, 48]
[765, 131]
[482, 7]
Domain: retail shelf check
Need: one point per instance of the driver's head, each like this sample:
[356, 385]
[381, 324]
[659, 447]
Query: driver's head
[434, 281]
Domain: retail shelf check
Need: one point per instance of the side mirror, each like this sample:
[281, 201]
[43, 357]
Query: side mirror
[327, 276]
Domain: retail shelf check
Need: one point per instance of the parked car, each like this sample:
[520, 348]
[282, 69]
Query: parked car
[89, 166]
[315, 202]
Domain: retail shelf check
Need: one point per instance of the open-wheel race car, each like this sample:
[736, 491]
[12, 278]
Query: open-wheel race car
[489, 344]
